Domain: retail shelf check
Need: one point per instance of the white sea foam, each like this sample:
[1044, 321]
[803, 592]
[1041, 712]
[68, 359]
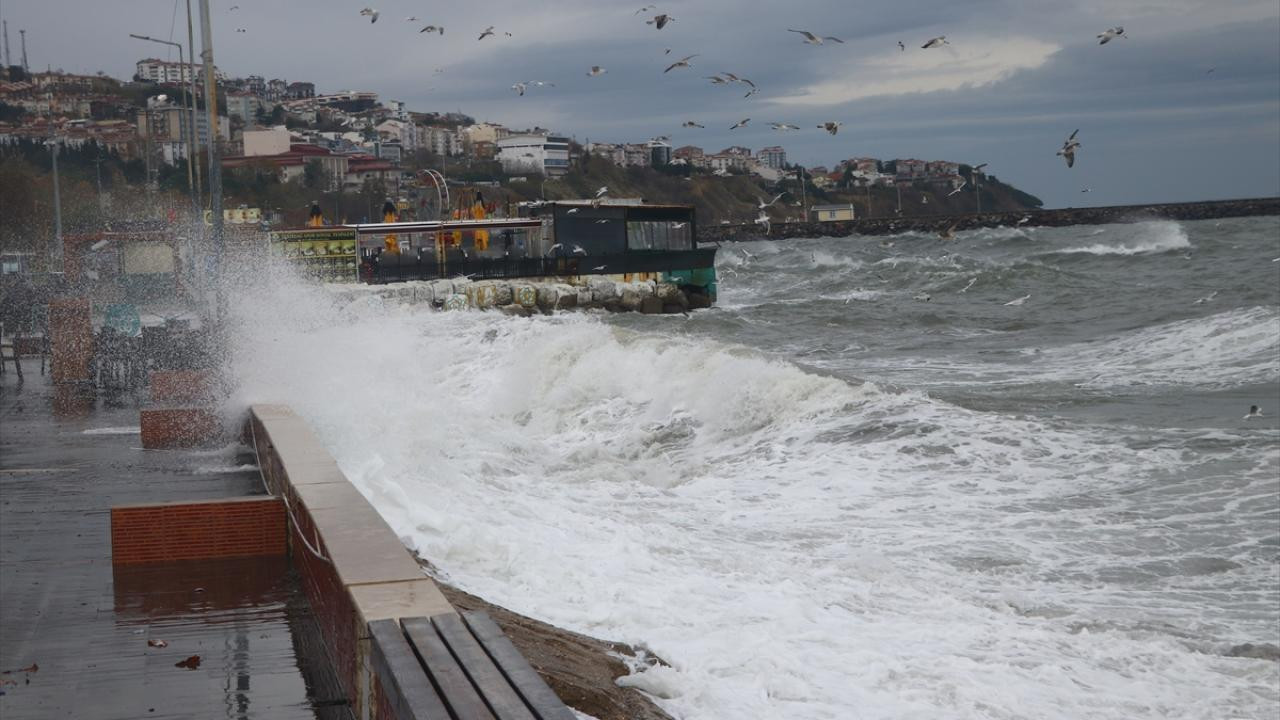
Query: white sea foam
[796, 546]
[123, 430]
[1147, 237]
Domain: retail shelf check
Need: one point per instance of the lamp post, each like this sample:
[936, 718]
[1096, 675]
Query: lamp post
[190, 126]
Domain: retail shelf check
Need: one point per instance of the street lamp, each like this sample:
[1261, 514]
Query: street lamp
[975, 174]
[191, 125]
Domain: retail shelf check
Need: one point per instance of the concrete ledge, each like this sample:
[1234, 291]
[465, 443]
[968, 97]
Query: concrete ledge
[354, 567]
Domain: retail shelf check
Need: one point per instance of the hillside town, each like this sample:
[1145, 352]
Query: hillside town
[349, 140]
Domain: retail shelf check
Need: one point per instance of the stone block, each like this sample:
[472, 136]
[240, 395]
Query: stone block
[651, 305]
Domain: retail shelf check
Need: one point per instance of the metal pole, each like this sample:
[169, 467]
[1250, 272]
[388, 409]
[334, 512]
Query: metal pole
[191, 138]
[898, 185]
[977, 194]
[193, 156]
[55, 254]
[215, 168]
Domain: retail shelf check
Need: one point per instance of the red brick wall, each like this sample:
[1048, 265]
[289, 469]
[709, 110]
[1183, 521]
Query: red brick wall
[70, 339]
[331, 604]
[170, 532]
[181, 386]
[179, 427]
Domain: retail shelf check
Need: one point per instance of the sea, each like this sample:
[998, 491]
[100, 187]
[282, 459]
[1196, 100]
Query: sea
[1006, 475]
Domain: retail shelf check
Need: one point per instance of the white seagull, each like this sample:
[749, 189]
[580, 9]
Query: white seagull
[1110, 34]
[958, 188]
[1019, 301]
[411, 18]
[487, 32]
[832, 126]
[717, 80]
[604, 190]
[762, 204]
[971, 282]
[740, 123]
[1069, 147]
[763, 219]
[432, 28]
[692, 124]
[646, 8]
[596, 70]
[812, 39]
[936, 42]
[1254, 412]
[682, 62]
[372, 13]
[784, 126]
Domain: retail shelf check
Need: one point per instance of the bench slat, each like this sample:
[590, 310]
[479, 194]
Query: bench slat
[444, 670]
[404, 683]
[493, 685]
[539, 696]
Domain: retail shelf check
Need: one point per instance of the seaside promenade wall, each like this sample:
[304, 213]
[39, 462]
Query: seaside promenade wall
[354, 569]
[1033, 218]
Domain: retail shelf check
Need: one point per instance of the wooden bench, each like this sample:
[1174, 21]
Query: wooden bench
[456, 667]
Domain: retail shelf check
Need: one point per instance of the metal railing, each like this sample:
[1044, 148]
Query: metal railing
[395, 267]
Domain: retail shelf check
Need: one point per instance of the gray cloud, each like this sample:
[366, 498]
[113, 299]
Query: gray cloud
[1154, 125]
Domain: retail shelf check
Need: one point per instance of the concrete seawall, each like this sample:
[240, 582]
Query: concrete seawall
[1034, 218]
[535, 295]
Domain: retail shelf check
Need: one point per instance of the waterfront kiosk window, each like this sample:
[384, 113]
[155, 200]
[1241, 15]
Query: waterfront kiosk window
[660, 228]
[597, 230]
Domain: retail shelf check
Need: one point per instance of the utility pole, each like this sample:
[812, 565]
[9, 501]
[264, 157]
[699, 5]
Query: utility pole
[193, 157]
[7, 46]
[804, 200]
[55, 252]
[976, 195]
[215, 168]
[184, 127]
[898, 185]
[23, 35]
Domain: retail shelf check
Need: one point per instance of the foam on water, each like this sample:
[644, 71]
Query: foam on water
[796, 546]
[1150, 237]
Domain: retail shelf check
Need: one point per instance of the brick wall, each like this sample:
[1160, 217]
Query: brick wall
[170, 532]
[181, 386]
[179, 427]
[71, 340]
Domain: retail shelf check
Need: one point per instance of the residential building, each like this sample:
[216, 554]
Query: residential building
[244, 106]
[300, 90]
[942, 168]
[737, 150]
[484, 132]
[444, 141]
[169, 123]
[772, 157]
[274, 141]
[256, 85]
[728, 161]
[691, 154]
[910, 169]
[277, 90]
[292, 164]
[547, 154]
[163, 71]
[400, 131]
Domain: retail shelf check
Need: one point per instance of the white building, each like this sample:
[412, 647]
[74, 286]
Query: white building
[441, 141]
[244, 106]
[772, 157]
[274, 141]
[545, 154]
[163, 71]
[484, 132]
[401, 131]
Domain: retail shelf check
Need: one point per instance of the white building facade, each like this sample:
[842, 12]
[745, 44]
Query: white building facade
[546, 154]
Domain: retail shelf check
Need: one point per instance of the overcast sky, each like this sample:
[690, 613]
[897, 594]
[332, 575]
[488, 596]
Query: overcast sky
[1018, 77]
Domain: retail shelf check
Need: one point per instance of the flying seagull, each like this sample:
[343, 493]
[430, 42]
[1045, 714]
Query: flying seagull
[812, 39]
[241, 30]
[740, 123]
[971, 282]
[784, 126]
[233, 7]
[1069, 148]
[832, 126]
[763, 219]
[1018, 301]
[717, 80]
[666, 51]
[596, 70]
[433, 28]
[598, 268]
[936, 42]
[372, 13]
[487, 32]
[901, 47]
[692, 124]
[978, 168]
[519, 88]
[751, 92]
[412, 18]
[660, 21]
[762, 204]
[1254, 412]
[1110, 34]
[1085, 190]
[646, 8]
[682, 62]
[604, 190]
[958, 189]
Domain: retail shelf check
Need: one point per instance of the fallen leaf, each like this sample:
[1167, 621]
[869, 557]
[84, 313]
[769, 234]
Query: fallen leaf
[190, 663]
[157, 643]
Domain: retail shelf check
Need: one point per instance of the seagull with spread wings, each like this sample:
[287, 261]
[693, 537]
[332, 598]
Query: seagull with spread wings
[682, 62]
[812, 39]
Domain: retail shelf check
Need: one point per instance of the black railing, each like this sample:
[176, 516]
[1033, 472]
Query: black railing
[401, 267]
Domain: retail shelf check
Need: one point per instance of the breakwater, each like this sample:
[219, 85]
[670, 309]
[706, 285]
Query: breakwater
[1041, 218]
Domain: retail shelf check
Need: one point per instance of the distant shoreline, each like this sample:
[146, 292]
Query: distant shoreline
[1206, 210]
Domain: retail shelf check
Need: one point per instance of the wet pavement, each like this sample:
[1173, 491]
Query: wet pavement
[74, 635]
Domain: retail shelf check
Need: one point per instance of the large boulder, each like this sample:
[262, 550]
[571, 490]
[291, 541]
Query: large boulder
[481, 295]
[567, 296]
[525, 294]
[667, 292]
[456, 301]
[505, 295]
[651, 305]
[699, 301]
[631, 299]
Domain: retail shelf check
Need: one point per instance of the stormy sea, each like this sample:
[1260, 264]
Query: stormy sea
[1005, 475]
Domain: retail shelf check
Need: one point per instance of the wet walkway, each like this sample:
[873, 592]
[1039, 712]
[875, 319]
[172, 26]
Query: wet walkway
[74, 636]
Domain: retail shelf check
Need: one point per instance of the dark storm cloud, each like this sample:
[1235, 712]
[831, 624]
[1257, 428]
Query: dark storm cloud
[1017, 78]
